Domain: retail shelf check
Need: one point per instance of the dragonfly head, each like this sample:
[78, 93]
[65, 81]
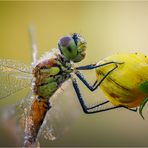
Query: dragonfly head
[72, 47]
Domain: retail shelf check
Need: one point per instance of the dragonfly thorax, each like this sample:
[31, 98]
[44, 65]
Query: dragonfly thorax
[49, 74]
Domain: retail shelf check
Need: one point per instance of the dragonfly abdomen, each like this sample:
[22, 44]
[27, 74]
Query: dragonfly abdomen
[35, 120]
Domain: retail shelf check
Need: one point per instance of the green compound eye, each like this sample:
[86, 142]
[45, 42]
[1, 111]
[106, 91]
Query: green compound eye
[68, 47]
[144, 87]
[72, 47]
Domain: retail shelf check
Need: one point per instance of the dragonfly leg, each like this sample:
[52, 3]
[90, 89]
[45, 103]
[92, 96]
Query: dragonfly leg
[131, 109]
[98, 105]
[96, 84]
[83, 105]
[93, 66]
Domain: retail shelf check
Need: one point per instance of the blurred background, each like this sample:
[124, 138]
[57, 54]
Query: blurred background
[108, 27]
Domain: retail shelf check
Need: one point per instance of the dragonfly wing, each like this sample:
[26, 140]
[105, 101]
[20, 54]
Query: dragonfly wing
[33, 44]
[56, 123]
[14, 76]
[13, 118]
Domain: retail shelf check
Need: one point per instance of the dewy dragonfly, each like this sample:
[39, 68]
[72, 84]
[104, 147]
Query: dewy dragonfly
[48, 74]
[53, 70]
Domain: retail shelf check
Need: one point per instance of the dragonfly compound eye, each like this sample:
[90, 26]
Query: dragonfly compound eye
[72, 47]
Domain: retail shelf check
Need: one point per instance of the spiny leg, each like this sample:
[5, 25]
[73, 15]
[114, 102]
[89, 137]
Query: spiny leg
[98, 105]
[83, 105]
[33, 45]
[93, 66]
[131, 109]
[96, 84]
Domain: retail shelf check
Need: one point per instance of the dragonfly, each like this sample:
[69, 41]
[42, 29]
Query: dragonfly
[57, 67]
[45, 76]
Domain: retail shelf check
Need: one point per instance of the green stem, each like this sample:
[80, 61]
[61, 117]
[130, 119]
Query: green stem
[142, 106]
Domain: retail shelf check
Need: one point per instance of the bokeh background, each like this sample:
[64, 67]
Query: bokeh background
[108, 27]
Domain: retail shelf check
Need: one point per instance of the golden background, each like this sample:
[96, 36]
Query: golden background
[108, 27]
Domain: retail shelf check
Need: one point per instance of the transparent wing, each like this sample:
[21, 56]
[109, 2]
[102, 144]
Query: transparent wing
[33, 44]
[12, 119]
[13, 77]
[65, 110]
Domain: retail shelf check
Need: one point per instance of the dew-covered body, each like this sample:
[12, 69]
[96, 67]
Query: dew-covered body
[122, 77]
[49, 75]
[121, 87]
